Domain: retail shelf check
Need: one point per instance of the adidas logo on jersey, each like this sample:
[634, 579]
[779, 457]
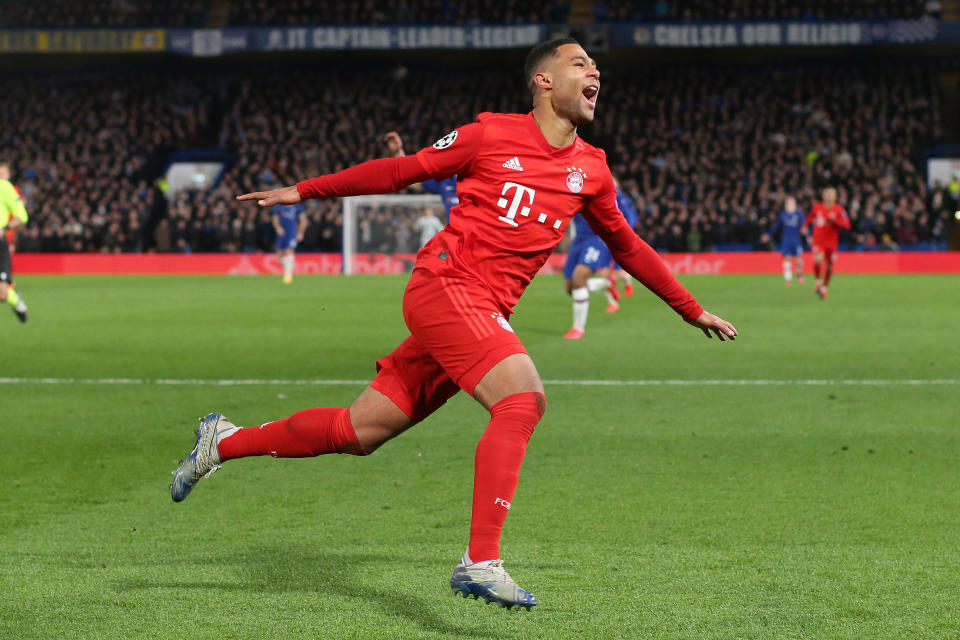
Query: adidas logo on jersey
[513, 163]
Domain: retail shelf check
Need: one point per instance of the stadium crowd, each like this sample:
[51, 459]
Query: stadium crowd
[199, 13]
[708, 152]
[711, 153]
[99, 14]
[85, 151]
[656, 10]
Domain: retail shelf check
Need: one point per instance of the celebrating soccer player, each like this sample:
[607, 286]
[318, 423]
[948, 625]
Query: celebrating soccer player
[12, 214]
[460, 296]
[827, 218]
[791, 246]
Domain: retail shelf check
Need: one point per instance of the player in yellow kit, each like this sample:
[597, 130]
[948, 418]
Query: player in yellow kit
[12, 214]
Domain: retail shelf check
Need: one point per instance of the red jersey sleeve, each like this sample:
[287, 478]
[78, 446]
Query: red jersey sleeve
[453, 153]
[450, 155]
[809, 219]
[384, 175]
[842, 221]
[635, 255]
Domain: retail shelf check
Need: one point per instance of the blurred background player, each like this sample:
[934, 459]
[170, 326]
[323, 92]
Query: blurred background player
[12, 214]
[827, 218]
[625, 204]
[290, 223]
[428, 224]
[789, 224]
[446, 189]
[586, 270]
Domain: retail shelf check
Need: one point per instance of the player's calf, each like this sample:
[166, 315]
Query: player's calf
[305, 434]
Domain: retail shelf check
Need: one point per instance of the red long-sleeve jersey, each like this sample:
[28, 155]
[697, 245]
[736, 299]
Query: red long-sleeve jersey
[827, 222]
[517, 196]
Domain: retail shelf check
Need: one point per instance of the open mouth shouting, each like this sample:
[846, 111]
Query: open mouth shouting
[590, 94]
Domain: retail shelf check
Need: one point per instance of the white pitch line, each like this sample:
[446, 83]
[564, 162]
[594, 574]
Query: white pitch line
[751, 383]
[578, 383]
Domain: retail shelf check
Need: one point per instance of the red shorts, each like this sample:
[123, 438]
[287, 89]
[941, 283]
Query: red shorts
[829, 252]
[458, 333]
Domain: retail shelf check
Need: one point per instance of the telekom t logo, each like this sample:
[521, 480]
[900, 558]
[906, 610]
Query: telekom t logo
[522, 196]
[519, 194]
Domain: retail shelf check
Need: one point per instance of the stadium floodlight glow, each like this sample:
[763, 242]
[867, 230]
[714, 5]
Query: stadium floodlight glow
[353, 205]
[192, 175]
[956, 214]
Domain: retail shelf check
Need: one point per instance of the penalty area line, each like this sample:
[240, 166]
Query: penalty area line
[568, 383]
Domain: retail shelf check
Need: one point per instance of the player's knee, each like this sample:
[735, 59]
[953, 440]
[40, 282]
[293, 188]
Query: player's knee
[373, 431]
[541, 400]
[522, 411]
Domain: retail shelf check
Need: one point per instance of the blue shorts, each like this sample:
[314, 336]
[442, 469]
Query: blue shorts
[590, 252]
[286, 241]
[788, 249]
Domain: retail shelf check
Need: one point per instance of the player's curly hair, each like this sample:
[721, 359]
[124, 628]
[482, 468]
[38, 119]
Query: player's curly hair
[540, 53]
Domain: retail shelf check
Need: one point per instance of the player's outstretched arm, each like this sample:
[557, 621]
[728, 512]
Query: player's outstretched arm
[447, 157]
[284, 195]
[708, 323]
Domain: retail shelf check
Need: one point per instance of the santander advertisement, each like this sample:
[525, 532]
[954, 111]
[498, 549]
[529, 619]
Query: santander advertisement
[243, 264]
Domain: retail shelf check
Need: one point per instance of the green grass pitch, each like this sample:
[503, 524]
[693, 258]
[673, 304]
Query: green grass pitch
[660, 511]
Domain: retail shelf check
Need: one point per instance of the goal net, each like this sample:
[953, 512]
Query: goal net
[381, 232]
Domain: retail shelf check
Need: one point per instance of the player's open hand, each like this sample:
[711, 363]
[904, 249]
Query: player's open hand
[708, 323]
[285, 195]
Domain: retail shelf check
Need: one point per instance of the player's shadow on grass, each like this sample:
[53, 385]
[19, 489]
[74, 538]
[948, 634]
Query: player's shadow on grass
[299, 569]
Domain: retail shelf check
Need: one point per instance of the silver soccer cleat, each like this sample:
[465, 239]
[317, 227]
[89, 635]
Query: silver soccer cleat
[204, 459]
[491, 582]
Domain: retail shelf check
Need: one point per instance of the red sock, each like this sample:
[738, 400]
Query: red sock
[497, 468]
[827, 272]
[816, 269]
[305, 434]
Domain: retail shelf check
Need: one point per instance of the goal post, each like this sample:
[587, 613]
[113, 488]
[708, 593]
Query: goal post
[364, 218]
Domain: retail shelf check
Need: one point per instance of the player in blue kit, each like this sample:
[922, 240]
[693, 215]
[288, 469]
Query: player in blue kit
[290, 223]
[629, 210]
[588, 257]
[789, 224]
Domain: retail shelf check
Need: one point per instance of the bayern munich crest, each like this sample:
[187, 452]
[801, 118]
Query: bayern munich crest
[503, 322]
[575, 181]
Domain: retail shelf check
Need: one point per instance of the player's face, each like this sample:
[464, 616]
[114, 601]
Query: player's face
[791, 204]
[4, 172]
[829, 196]
[576, 84]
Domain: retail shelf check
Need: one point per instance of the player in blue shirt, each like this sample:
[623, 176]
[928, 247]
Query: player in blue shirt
[629, 210]
[588, 257]
[290, 223]
[789, 224]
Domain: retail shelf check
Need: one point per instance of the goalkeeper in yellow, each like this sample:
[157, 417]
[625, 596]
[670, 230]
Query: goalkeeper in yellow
[12, 215]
